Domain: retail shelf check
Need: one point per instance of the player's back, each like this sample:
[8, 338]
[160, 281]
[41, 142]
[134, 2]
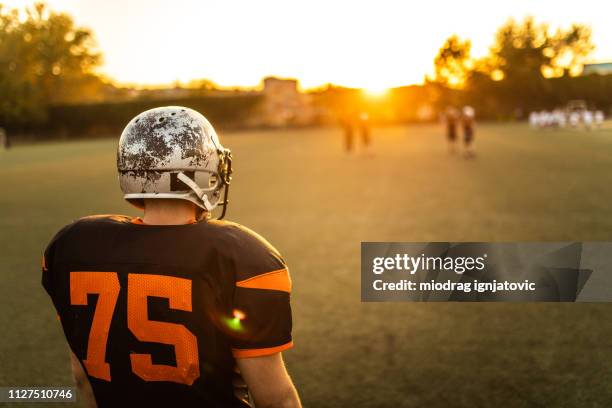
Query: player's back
[158, 314]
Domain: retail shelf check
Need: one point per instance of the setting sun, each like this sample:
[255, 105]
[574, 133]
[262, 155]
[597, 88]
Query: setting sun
[376, 91]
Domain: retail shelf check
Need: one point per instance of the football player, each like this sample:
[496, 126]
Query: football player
[587, 119]
[599, 118]
[467, 123]
[451, 118]
[366, 132]
[534, 120]
[574, 119]
[346, 119]
[174, 308]
[4, 139]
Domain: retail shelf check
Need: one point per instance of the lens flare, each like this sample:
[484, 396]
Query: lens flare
[235, 323]
[239, 314]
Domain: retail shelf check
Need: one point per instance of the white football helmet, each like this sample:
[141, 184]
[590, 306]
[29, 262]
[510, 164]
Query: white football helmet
[469, 112]
[173, 152]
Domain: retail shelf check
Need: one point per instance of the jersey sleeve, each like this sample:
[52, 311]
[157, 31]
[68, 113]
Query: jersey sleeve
[48, 259]
[47, 279]
[261, 305]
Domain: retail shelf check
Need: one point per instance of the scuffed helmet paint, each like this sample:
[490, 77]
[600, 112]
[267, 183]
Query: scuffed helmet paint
[173, 152]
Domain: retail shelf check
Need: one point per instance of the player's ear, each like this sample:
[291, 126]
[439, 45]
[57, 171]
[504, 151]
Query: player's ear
[201, 214]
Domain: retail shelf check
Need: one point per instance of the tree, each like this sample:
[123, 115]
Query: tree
[528, 49]
[573, 46]
[44, 59]
[453, 63]
[525, 54]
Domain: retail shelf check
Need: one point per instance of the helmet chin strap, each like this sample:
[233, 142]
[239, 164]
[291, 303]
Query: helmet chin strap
[196, 189]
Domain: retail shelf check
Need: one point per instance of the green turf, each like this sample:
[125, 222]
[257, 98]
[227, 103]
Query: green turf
[316, 204]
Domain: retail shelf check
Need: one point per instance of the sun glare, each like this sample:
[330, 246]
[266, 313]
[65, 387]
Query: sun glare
[376, 91]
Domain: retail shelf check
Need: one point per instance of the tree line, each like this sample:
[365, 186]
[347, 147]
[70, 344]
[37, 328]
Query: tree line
[529, 66]
[50, 87]
[45, 59]
[49, 81]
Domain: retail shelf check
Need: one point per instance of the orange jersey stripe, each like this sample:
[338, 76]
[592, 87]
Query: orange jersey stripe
[248, 353]
[275, 280]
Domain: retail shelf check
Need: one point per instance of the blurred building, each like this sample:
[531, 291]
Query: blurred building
[604, 68]
[283, 104]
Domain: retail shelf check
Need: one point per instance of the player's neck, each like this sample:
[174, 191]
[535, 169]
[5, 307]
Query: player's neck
[169, 212]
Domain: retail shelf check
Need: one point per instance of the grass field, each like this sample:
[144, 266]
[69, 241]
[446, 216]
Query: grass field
[316, 205]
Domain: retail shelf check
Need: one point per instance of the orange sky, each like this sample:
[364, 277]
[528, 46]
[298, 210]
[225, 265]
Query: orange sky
[371, 44]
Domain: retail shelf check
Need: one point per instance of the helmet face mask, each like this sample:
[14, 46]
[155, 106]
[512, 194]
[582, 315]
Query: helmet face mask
[173, 153]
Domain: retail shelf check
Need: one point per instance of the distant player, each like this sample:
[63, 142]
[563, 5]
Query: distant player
[534, 120]
[555, 119]
[467, 123]
[587, 119]
[4, 140]
[599, 119]
[574, 119]
[365, 131]
[542, 119]
[346, 122]
[173, 309]
[547, 119]
[560, 118]
[451, 118]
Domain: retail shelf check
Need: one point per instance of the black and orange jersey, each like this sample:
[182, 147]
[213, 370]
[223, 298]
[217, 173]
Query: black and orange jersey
[157, 314]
